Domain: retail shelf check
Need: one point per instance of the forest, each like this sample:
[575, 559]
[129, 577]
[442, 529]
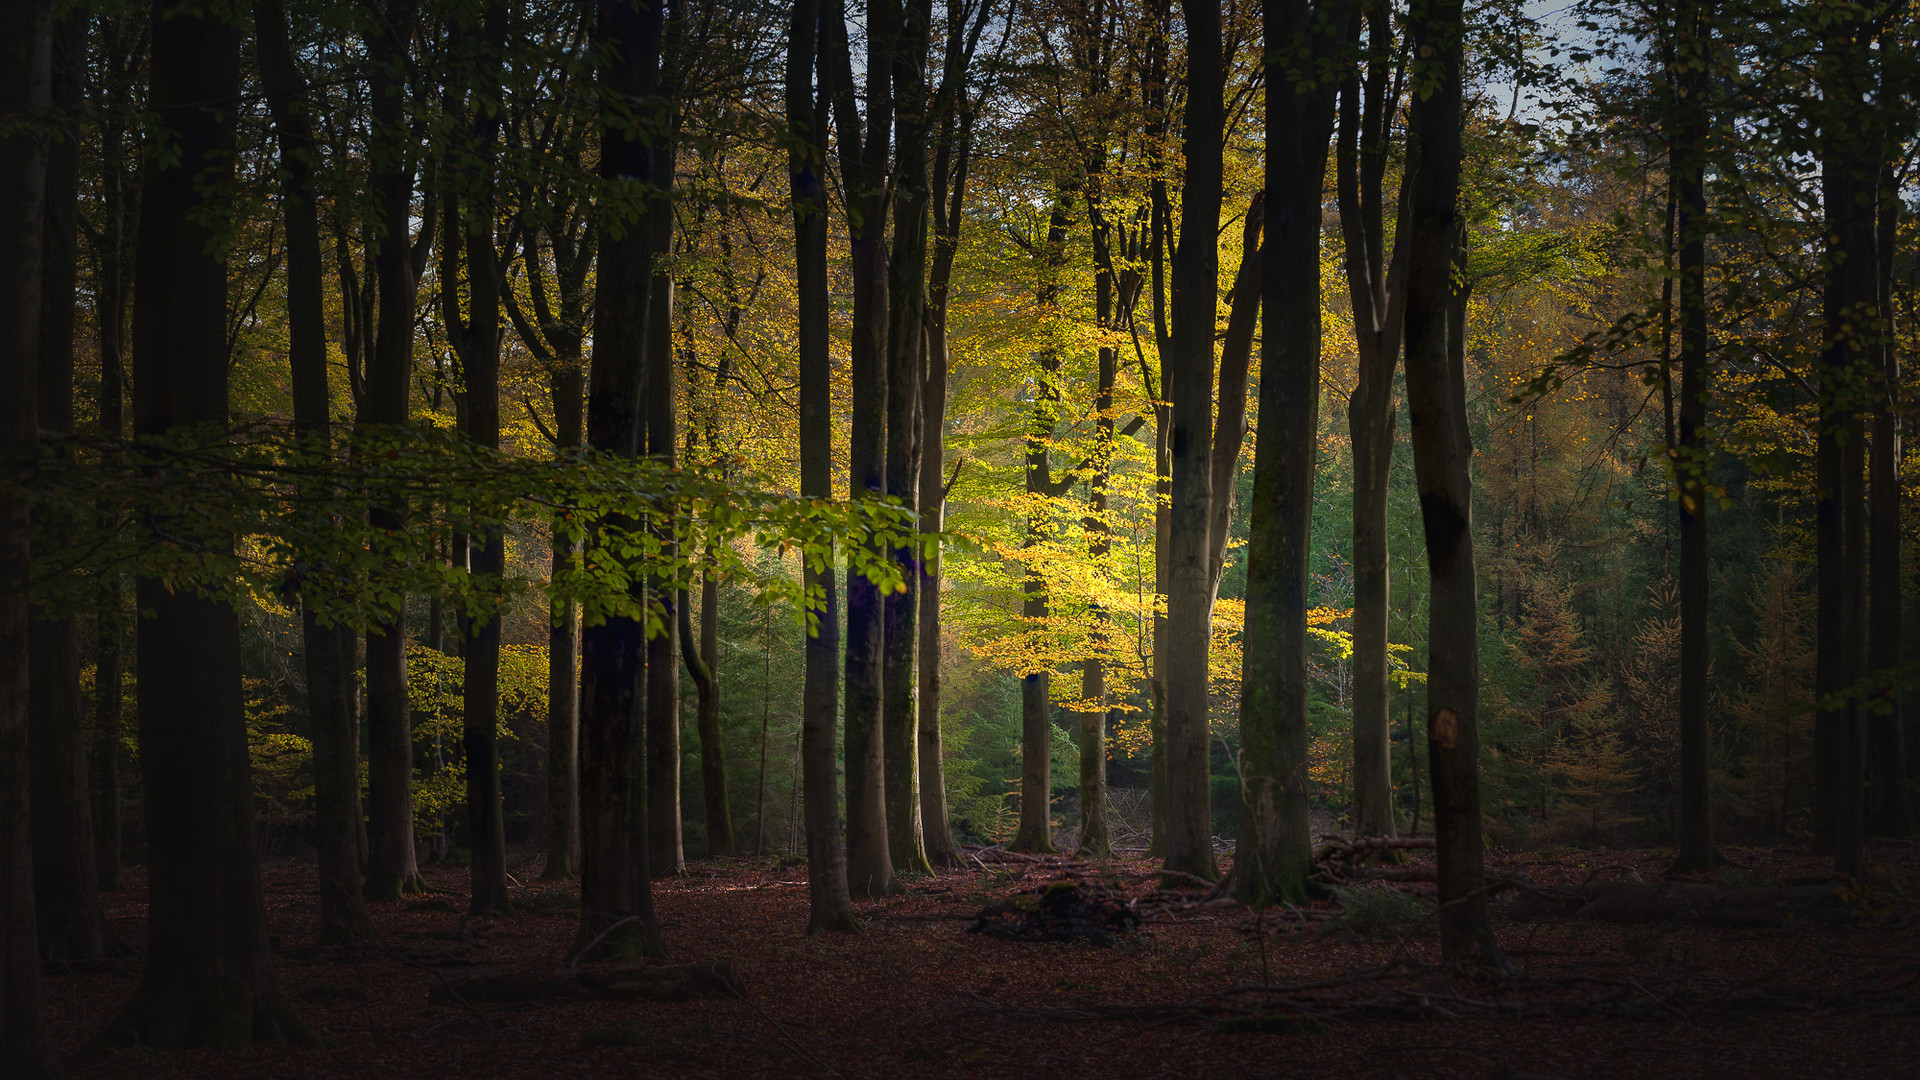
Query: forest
[1097, 537]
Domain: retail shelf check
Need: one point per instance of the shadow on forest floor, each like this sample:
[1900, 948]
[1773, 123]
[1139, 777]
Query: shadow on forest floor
[1200, 988]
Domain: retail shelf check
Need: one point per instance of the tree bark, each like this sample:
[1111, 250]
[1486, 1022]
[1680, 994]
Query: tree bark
[392, 867]
[701, 651]
[208, 979]
[864, 176]
[616, 898]
[666, 845]
[1848, 173]
[1189, 386]
[1689, 77]
[1890, 804]
[26, 88]
[809, 44]
[72, 925]
[1436, 395]
[906, 360]
[1376, 285]
[563, 657]
[329, 670]
[1275, 850]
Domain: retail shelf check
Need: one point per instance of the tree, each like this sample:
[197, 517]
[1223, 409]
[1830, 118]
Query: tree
[208, 980]
[1274, 854]
[26, 88]
[809, 45]
[616, 897]
[328, 649]
[1436, 394]
[392, 868]
[1188, 367]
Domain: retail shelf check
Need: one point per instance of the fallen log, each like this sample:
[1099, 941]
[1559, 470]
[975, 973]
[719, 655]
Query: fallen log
[633, 982]
[1659, 902]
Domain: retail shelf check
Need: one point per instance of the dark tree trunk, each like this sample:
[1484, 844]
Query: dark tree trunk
[72, 925]
[1849, 175]
[906, 359]
[1376, 285]
[1189, 386]
[665, 841]
[1096, 840]
[809, 43]
[1436, 396]
[1688, 152]
[26, 81]
[863, 170]
[616, 897]
[701, 651]
[329, 669]
[1890, 803]
[563, 663]
[467, 229]
[1275, 850]
[392, 868]
[208, 979]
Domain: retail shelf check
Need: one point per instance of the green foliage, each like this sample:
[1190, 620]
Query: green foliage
[1379, 912]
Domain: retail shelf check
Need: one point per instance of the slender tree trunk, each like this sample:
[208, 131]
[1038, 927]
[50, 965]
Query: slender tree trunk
[336, 766]
[1691, 460]
[1096, 840]
[809, 43]
[616, 897]
[1890, 801]
[906, 359]
[1274, 853]
[1377, 290]
[1848, 174]
[26, 88]
[72, 926]
[563, 657]
[863, 169]
[701, 650]
[208, 979]
[1189, 386]
[666, 845]
[1436, 395]
[111, 282]
[392, 867]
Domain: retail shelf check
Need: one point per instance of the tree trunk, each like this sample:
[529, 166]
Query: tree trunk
[563, 658]
[863, 169]
[665, 844]
[392, 868]
[1436, 395]
[1691, 460]
[208, 979]
[1189, 386]
[72, 925]
[906, 358]
[26, 81]
[702, 654]
[1889, 800]
[1377, 290]
[1096, 840]
[1275, 850]
[336, 765]
[809, 42]
[616, 898]
[1848, 174]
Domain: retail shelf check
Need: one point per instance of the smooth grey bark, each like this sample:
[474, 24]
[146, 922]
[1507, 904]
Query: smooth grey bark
[863, 157]
[1189, 369]
[329, 670]
[208, 980]
[1442, 454]
[701, 651]
[616, 896]
[563, 656]
[1376, 287]
[26, 88]
[831, 907]
[392, 866]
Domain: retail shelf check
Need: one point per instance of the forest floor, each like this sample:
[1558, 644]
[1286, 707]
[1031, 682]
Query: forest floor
[1199, 991]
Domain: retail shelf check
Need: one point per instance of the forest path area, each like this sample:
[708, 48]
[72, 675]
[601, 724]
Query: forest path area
[915, 994]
